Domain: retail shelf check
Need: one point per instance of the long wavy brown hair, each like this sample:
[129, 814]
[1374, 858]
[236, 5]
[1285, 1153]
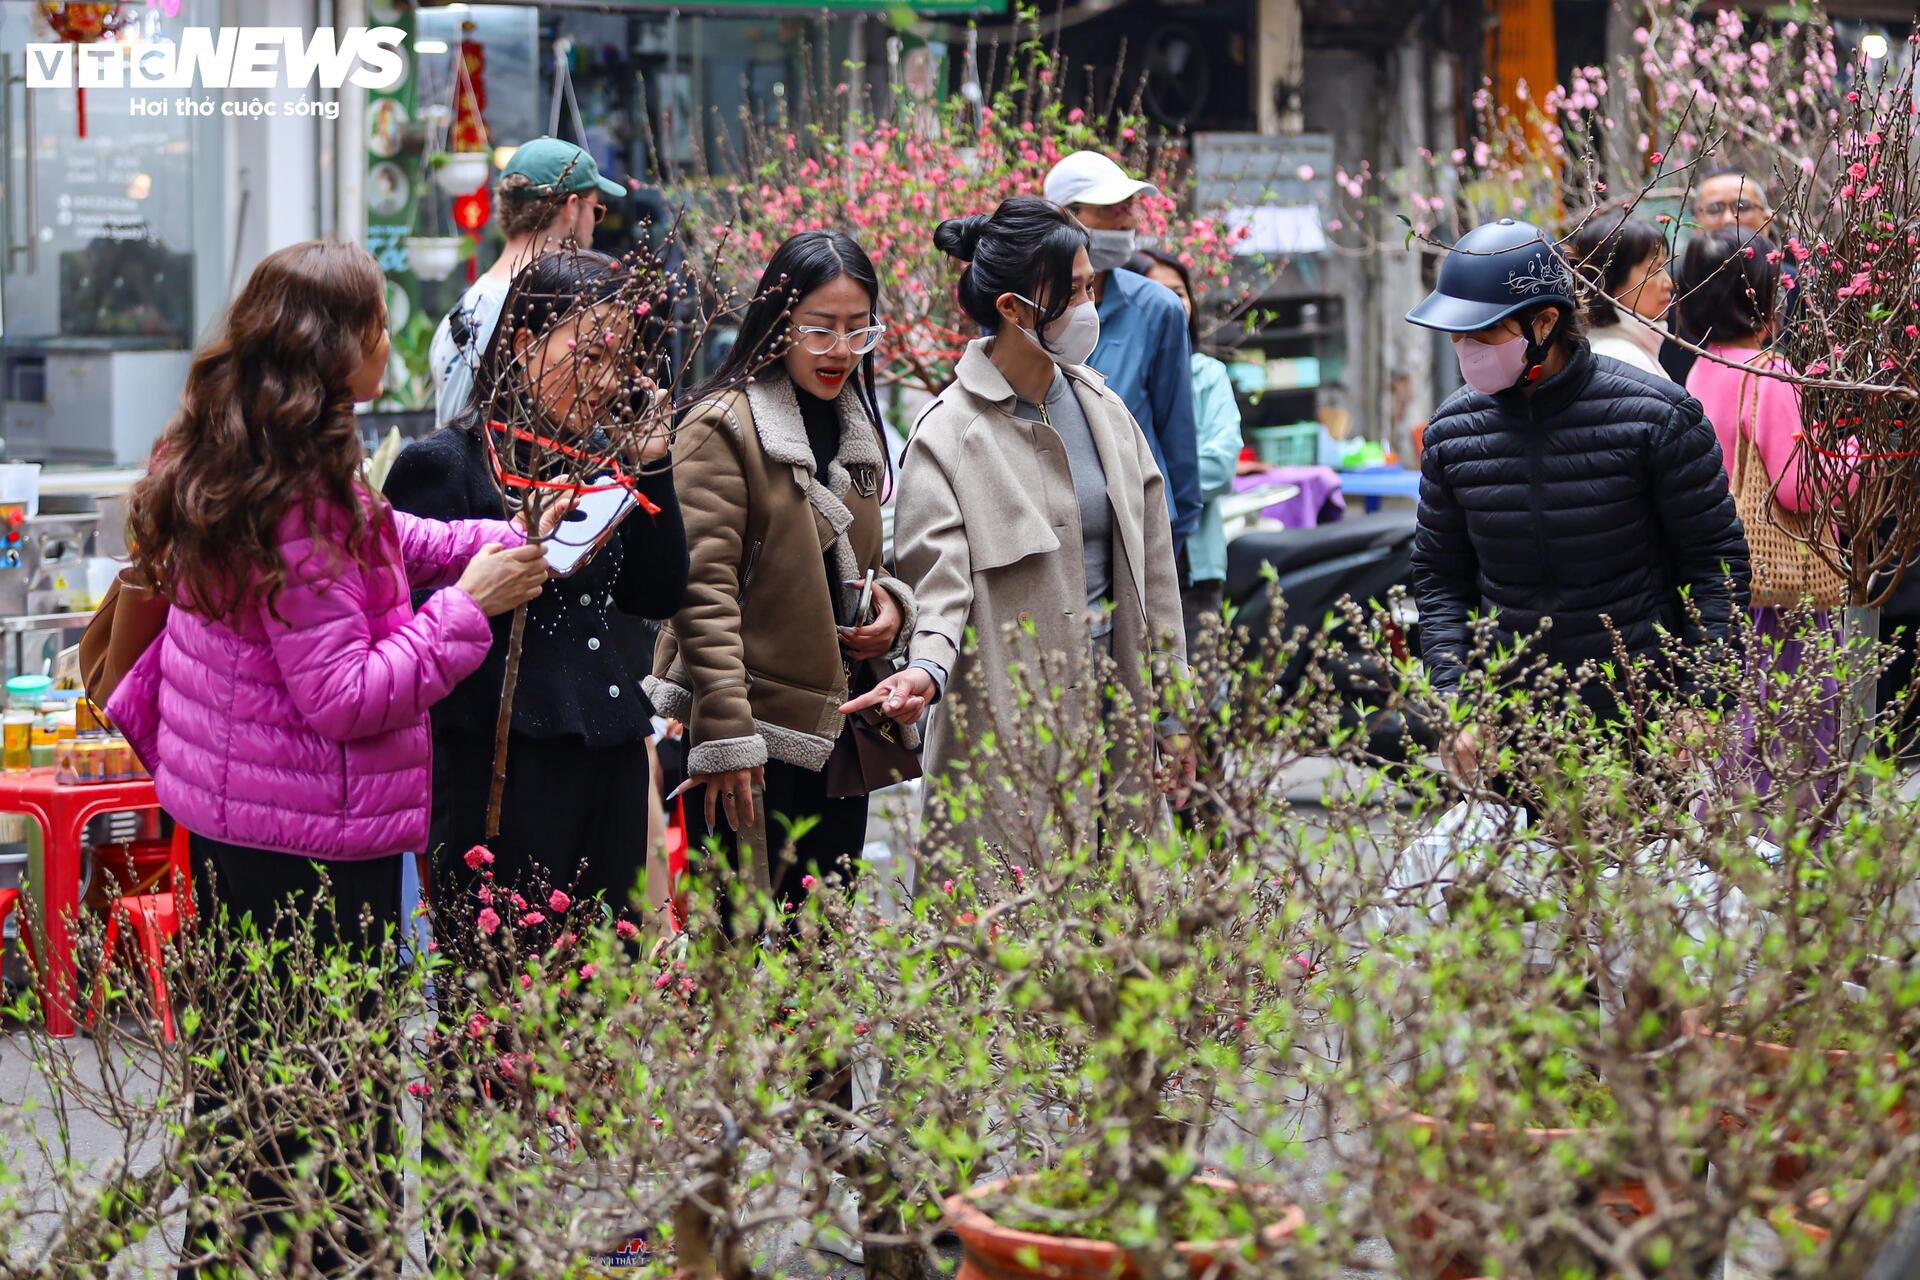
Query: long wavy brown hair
[266, 421]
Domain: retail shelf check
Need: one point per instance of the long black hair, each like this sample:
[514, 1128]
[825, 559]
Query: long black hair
[804, 263]
[1605, 252]
[1732, 285]
[1026, 247]
[543, 293]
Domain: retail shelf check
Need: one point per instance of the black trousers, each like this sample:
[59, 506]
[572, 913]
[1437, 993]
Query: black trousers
[792, 793]
[1198, 601]
[574, 817]
[259, 883]
[832, 845]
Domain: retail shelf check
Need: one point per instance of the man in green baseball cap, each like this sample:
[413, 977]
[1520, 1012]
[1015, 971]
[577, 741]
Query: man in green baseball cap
[553, 167]
[549, 195]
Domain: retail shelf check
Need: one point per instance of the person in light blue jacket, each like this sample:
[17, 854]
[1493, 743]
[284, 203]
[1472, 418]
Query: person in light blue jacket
[1216, 418]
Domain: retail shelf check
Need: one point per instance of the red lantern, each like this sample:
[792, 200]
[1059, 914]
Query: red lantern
[470, 211]
[82, 23]
[79, 24]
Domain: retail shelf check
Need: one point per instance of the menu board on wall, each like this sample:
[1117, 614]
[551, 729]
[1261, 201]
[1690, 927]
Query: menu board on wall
[114, 223]
[103, 191]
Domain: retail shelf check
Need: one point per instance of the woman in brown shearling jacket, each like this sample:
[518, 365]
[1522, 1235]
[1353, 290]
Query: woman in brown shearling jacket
[780, 463]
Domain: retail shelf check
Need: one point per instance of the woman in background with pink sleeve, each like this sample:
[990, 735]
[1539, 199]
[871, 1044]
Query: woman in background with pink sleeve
[1732, 295]
[283, 711]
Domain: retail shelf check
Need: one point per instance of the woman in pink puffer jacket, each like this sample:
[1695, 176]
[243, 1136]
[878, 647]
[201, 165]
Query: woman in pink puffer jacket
[306, 733]
[283, 712]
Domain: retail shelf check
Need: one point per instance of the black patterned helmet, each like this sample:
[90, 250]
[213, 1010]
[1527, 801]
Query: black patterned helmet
[1494, 271]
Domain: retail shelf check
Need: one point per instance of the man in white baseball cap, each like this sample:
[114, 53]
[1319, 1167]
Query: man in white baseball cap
[1143, 348]
[1087, 177]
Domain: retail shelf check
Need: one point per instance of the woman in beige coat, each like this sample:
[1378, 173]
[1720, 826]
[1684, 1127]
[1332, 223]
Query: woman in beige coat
[1032, 524]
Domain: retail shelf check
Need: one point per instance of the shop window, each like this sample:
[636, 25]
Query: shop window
[99, 194]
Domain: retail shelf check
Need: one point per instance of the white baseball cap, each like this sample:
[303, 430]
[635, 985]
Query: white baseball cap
[1088, 177]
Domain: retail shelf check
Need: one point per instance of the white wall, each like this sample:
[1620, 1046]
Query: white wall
[273, 189]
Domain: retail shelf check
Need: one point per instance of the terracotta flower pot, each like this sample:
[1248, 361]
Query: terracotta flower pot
[994, 1252]
[1625, 1201]
[1771, 1059]
[1767, 1056]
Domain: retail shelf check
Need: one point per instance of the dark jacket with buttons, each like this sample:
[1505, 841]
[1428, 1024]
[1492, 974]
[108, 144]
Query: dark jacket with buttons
[1600, 496]
[578, 675]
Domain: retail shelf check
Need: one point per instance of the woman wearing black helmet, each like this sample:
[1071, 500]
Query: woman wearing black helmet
[1559, 486]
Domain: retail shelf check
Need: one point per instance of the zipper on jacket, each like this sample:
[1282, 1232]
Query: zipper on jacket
[1538, 452]
[747, 567]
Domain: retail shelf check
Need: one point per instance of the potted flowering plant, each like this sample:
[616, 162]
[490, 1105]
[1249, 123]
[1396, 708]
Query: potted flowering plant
[1124, 989]
[1524, 1055]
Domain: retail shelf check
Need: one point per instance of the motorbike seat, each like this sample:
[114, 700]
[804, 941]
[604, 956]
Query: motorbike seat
[1290, 550]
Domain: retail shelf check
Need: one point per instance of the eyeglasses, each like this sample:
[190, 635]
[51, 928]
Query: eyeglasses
[599, 212]
[1736, 207]
[816, 341]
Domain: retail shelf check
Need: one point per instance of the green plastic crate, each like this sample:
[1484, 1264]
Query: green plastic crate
[1295, 445]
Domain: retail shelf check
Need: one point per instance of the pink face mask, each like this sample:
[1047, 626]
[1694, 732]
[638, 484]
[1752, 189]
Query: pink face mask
[1491, 367]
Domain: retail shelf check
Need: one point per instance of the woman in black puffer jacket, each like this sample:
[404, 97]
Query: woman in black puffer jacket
[1559, 484]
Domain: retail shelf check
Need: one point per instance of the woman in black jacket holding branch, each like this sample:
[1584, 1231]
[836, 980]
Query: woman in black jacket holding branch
[1558, 485]
[574, 815]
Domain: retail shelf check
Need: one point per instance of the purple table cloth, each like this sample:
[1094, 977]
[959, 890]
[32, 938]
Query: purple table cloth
[1318, 502]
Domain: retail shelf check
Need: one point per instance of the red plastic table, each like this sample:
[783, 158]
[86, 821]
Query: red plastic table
[63, 813]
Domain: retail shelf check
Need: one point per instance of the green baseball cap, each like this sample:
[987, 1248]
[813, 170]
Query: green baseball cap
[559, 168]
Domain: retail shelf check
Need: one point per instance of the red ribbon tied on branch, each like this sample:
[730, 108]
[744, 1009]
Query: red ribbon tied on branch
[509, 480]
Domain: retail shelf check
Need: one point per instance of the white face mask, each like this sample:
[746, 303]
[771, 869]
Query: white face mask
[1109, 249]
[1072, 338]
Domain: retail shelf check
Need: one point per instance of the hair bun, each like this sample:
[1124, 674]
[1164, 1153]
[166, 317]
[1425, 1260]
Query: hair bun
[960, 237]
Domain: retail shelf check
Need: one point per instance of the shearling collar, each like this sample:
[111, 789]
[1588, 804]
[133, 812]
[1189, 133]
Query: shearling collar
[783, 437]
[979, 376]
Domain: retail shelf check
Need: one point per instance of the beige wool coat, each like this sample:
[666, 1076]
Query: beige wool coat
[987, 531]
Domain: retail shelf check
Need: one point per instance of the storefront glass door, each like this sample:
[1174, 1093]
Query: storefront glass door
[97, 200]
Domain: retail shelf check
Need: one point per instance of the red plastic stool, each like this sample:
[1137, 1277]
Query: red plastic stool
[10, 902]
[153, 919]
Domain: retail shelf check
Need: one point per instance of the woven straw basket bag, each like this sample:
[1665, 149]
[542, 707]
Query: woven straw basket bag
[1786, 570]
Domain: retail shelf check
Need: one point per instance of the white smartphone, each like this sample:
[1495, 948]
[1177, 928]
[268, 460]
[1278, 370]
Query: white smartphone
[586, 528]
[863, 612]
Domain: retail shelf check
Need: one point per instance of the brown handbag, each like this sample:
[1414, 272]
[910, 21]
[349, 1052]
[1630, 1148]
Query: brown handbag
[1787, 572]
[869, 756]
[125, 626]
